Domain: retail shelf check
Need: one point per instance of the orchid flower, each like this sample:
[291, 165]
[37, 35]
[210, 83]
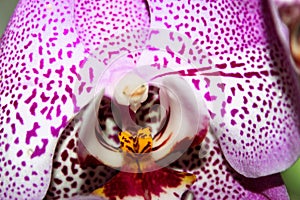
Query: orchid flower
[60, 62]
[286, 15]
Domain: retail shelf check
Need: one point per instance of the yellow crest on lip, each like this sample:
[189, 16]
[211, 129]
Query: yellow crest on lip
[140, 143]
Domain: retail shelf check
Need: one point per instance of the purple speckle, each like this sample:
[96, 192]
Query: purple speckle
[28, 100]
[32, 133]
[40, 151]
[208, 97]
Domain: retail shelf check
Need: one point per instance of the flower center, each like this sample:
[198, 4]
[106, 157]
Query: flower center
[138, 144]
[136, 148]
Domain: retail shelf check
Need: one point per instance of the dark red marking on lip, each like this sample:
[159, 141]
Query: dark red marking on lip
[126, 184]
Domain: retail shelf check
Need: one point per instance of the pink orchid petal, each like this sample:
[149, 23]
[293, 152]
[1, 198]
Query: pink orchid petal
[251, 90]
[41, 57]
[217, 180]
[98, 21]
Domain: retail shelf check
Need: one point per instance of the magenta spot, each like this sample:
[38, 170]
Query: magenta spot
[233, 64]
[58, 111]
[88, 89]
[13, 128]
[49, 87]
[52, 60]
[55, 131]
[32, 108]
[39, 151]
[71, 79]
[219, 73]
[212, 114]
[19, 153]
[55, 97]
[15, 104]
[232, 91]
[60, 54]
[6, 147]
[171, 35]
[111, 53]
[18, 117]
[47, 75]
[80, 88]
[234, 112]
[170, 51]
[64, 99]
[42, 63]
[28, 44]
[16, 141]
[208, 97]
[40, 50]
[181, 51]
[240, 87]
[35, 71]
[178, 26]
[251, 74]
[60, 71]
[245, 110]
[258, 118]
[52, 39]
[91, 73]
[221, 66]
[30, 57]
[165, 62]
[207, 82]
[221, 86]
[32, 132]
[44, 97]
[65, 31]
[73, 68]
[233, 122]
[159, 19]
[26, 178]
[196, 83]
[49, 117]
[265, 73]
[69, 54]
[28, 100]
[82, 62]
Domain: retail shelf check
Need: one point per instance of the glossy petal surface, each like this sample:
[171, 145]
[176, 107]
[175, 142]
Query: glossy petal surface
[251, 90]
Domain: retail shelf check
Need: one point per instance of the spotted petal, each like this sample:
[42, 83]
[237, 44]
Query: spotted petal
[217, 180]
[250, 88]
[42, 51]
